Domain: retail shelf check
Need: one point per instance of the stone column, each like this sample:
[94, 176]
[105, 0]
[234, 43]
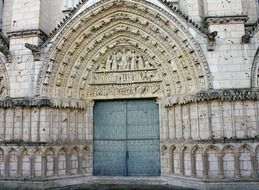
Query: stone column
[7, 170]
[209, 120]
[89, 121]
[56, 164]
[237, 166]
[253, 164]
[233, 119]
[222, 134]
[205, 165]
[193, 166]
[171, 160]
[44, 165]
[182, 163]
[182, 124]
[80, 171]
[32, 166]
[163, 121]
[220, 162]
[189, 123]
[68, 163]
[76, 125]
[19, 165]
[198, 122]
[173, 123]
[256, 118]
[244, 119]
[166, 123]
[4, 124]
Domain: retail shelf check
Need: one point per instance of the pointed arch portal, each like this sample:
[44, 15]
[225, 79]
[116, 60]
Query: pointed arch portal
[121, 49]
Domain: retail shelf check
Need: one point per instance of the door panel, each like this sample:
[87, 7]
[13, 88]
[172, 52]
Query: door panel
[143, 138]
[143, 158]
[126, 138]
[109, 158]
[109, 138]
[109, 120]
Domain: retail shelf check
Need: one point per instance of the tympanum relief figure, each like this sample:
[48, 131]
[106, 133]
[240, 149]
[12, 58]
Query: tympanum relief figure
[125, 59]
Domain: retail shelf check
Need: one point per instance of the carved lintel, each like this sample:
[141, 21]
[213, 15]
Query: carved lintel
[35, 51]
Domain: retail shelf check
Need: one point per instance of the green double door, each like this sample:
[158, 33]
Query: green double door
[126, 138]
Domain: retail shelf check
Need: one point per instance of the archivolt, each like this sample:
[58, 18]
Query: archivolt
[4, 82]
[76, 65]
[255, 70]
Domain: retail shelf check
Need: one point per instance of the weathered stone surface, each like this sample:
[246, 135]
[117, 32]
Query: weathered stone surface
[198, 59]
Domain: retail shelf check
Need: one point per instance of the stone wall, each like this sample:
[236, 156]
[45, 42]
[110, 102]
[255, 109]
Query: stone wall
[44, 125]
[40, 161]
[250, 8]
[212, 161]
[199, 47]
[7, 16]
[211, 120]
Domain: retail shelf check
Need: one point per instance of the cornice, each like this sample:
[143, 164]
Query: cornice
[28, 33]
[239, 19]
[209, 95]
[41, 102]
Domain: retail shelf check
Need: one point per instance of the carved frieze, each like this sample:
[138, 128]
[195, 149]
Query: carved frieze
[125, 77]
[124, 90]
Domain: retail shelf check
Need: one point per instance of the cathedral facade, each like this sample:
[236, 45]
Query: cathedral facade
[122, 91]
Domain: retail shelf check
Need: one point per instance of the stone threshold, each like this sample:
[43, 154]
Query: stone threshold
[171, 181]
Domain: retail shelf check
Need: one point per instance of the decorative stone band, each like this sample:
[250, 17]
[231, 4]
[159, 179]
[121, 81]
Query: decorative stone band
[223, 140]
[11, 103]
[222, 95]
[228, 94]
[226, 19]
[27, 33]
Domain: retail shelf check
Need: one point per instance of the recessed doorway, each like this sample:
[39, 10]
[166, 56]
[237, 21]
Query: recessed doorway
[126, 138]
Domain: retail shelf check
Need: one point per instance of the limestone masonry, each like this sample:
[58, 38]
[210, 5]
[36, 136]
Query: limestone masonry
[78, 82]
